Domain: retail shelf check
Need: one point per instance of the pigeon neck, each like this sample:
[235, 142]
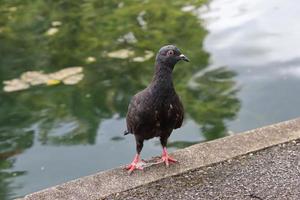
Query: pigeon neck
[163, 76]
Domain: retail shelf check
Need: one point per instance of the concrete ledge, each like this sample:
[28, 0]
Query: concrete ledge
[105, 183]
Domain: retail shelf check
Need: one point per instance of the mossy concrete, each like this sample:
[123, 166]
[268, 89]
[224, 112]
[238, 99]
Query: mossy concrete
[116, 180]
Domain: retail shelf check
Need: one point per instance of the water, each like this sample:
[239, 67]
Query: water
[244, 74]
[259, 40]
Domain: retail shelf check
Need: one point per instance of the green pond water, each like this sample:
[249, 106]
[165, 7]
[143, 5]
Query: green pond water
[244, 73]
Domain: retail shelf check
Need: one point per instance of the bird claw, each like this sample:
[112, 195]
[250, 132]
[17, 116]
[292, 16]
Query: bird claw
[132, 167]
[136, 164]
[167, 159]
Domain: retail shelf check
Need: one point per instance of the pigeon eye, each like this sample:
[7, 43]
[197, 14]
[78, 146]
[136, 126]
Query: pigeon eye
[170, 53]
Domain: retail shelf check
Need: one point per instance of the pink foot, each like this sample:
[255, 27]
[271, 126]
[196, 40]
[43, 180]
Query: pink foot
[166, 158]
[134, 165]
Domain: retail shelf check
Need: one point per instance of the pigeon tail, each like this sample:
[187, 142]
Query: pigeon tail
[126, 132]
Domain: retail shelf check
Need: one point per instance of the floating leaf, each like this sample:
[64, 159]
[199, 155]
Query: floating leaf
[141, 20]
[52, 82]
[128, 38]
[72, 80]
[148, 55]
[34, 77]
[64, 73]
[56, 23]
[121, 54]
[13, 9]
[90, 59]
[68, 76]
[188, 8]
[52, 31]
[15, 85]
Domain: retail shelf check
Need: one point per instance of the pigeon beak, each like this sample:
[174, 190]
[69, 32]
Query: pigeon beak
[183, 57]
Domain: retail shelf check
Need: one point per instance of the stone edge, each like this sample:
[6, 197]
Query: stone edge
[116, 180]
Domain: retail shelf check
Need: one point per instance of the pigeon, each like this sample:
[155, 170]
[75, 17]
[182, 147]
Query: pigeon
[157, 110]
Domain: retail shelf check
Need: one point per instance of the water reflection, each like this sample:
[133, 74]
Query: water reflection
[55, 35]
[12, 143]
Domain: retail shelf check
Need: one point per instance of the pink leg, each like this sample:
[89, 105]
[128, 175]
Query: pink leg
[166, 158]
[134, 164]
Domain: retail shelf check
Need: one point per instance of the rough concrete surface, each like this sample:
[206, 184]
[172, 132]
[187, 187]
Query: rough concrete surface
[273, 173]
[109, 182]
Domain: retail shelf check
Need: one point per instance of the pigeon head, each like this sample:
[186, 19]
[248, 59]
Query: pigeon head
[169, 55]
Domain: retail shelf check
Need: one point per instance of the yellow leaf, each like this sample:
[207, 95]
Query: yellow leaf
[53, 82]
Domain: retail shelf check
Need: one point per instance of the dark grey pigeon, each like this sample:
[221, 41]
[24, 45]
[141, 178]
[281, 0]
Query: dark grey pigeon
[157, 110]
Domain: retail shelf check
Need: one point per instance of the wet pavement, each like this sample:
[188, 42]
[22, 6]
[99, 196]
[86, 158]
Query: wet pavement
[272, 173]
